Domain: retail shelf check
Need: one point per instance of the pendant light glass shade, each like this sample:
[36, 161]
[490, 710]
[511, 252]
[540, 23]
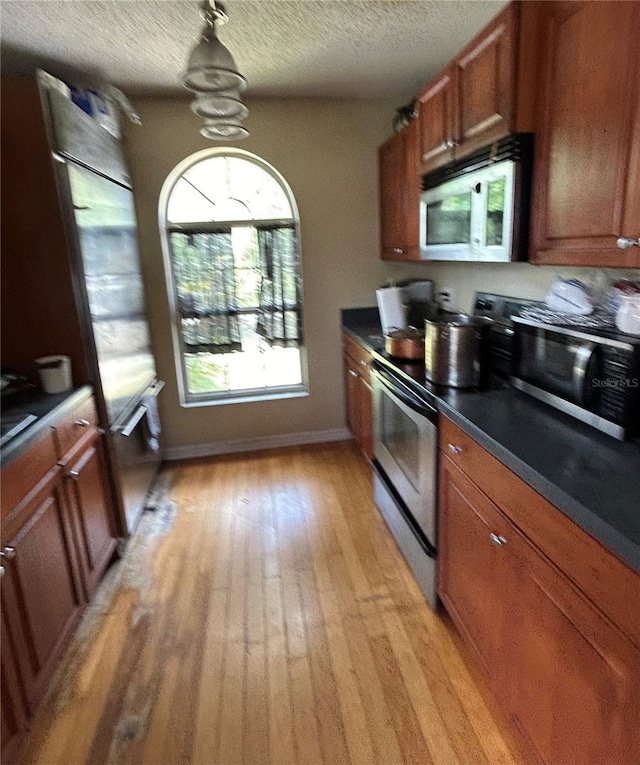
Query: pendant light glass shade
[213, 76]
[222, 130]
[215, 105]
[211, 68]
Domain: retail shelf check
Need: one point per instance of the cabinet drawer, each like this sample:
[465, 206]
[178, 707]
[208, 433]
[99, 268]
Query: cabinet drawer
[359, 355]
[74, 425]
[604, 578]
[25, 472]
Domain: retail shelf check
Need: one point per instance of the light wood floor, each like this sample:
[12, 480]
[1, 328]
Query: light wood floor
[272, 620]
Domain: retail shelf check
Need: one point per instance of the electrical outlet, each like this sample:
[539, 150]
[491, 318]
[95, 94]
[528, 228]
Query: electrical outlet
[445, 298]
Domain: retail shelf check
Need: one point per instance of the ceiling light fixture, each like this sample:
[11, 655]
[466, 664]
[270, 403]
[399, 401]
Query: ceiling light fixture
[213, 76]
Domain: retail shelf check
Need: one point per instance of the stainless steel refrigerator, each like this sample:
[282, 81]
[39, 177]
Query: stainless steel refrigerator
[100, 222]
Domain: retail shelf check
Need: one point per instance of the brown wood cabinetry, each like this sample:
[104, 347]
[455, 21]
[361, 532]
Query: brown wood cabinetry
[57, 539]
[436, 115]
[475, 100]
[358, 394]
[543, 621]
[88, 496]
[587, 169]
[399, 179]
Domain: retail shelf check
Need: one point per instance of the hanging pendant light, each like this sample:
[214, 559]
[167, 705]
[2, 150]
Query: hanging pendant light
[213, 76]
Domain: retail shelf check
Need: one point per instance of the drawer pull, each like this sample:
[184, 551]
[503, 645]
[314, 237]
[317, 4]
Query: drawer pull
[82, 423]
[9, 553]
[453, 449]
[73, 475]
[497, 539]
[352, 373]
[1, 571]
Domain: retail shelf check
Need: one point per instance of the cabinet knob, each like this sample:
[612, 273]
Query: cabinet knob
[625, 242]
[9, 553]
[398, 250]
[497, 539]
[82, 423]
[453, 449]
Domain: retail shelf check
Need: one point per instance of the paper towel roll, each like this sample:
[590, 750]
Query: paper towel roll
[393, 314]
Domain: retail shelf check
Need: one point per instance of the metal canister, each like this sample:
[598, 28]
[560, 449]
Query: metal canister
[456, 348]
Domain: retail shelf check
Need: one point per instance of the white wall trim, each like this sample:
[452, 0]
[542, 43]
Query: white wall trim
[255, 444]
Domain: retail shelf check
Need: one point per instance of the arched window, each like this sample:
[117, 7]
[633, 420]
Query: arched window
[229, 224]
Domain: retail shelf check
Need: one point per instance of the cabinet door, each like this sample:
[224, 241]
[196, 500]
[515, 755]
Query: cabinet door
[391, 167]
[575, 679]
[587, 173]
[485, 76]
[41, 593]
[365, 400]
[436, 119]
[473, 575]
[93, 513]
[12, 704]
[352, 387]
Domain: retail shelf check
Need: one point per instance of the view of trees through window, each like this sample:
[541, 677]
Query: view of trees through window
[230, 270]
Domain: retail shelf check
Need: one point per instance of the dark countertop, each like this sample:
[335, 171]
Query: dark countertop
[47, 408]
[591, 477]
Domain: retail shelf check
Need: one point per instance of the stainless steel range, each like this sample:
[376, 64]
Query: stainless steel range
[405, 421]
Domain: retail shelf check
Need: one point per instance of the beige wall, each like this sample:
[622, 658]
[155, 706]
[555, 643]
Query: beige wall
[515, 279]
[327, 151]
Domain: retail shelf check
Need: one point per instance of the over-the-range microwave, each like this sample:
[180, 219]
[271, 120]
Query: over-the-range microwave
[477, 208]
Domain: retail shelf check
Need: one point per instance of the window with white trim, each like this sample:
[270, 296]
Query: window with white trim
[230, 224]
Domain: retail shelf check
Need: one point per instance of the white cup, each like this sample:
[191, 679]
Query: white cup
[55, 373]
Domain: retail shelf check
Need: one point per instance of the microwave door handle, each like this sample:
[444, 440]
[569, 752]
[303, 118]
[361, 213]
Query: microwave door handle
[583, 357]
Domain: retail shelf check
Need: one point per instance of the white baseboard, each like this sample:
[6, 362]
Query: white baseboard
[255, 444]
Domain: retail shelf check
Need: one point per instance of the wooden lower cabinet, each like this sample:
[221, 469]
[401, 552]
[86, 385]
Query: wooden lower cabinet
[57, 539]
[88, 495]
[42, 598]
[359, 399]
[565, 675]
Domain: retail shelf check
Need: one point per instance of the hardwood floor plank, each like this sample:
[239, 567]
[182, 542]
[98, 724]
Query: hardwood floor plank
[269, 619]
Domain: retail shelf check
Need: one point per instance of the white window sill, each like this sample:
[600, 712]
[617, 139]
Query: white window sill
[250, 398]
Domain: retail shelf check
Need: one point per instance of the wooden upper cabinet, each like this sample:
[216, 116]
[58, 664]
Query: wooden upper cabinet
[485, 76]
[438, 131]
[587, 169]
[399, 170]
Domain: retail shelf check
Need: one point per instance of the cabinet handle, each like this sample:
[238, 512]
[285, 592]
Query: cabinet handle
[450, 144]
[9, 553]
[1, 571]
[453, 449]
[364, 363]
[82, 423]
[625, 242]
[73, 475]
[497, 539]
[352, 373]
[398, 250]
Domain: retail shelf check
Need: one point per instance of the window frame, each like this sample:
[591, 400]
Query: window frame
[235, 396]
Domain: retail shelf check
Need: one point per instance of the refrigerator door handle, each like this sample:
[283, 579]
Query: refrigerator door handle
[128, 429]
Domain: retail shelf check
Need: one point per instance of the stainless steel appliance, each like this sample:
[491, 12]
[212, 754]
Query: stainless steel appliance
[456, 350]
[100, 222]
[592, 375]
[478, 208]
[405, 447]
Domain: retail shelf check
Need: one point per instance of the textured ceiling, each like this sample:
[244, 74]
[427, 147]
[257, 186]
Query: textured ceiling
[349, 48]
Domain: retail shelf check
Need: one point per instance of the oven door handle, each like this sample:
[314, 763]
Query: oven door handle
[414, 403]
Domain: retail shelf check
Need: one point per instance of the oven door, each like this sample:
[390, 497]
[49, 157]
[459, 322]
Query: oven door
[405, 446]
